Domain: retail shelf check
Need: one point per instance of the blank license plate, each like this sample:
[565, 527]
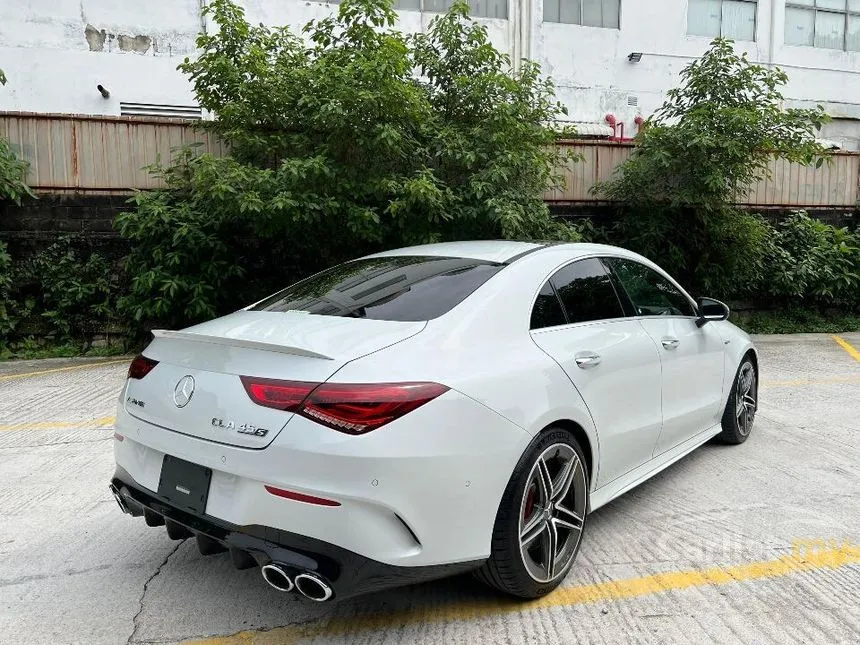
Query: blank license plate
[184, 484]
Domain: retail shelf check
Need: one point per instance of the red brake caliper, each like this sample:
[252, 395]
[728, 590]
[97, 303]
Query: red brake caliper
[530, 502]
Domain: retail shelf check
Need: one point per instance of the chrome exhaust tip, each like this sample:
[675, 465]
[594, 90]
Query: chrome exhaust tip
[276, 577]
[119, 500]
[313, 587]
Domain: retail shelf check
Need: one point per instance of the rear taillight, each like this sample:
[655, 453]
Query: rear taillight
[141, 366]
[357, 409]
[281, 395]
[346, 407]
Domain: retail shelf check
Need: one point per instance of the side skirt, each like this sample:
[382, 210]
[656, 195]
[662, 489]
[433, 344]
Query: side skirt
[618, 487]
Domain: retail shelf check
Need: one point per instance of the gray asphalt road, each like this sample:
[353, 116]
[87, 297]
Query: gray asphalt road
[758, 543]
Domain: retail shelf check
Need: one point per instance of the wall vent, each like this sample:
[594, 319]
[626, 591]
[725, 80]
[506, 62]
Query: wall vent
[163, 111]
[633, 101]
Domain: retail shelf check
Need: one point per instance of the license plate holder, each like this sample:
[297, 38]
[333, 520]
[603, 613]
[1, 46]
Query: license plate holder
[184, 484]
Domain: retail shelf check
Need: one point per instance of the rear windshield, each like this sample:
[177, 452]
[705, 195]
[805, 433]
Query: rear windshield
[404, 288]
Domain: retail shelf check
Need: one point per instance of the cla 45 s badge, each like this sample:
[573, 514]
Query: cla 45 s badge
[245, 428]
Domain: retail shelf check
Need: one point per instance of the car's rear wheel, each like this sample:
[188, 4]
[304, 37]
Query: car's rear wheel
[541, 518]
[741, 407]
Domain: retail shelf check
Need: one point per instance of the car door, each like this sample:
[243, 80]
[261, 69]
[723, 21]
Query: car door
[692, 357]
[579, 321]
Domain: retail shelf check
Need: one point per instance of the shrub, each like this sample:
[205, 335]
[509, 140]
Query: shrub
[715, 135]
[185, 242]
[70, 288]
[355, 138]
[813, 263]
[7, 319]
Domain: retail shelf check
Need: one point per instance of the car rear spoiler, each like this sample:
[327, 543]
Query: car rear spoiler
[238, 342]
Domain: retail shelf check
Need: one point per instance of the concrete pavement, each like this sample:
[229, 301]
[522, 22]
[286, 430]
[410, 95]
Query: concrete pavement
[758, 543]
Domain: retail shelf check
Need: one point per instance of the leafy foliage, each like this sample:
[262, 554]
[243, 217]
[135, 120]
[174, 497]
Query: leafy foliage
[7, 318]
[796, 321]
[345, 139]
[813, 263]
[13, 175]
[71, 289]
[182, 256]
[715, 134]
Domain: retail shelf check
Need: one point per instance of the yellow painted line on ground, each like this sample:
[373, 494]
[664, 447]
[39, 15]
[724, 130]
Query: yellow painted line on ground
[844, 344]
[811, 381]
[11, 377]
[101, 422]
[803, 558]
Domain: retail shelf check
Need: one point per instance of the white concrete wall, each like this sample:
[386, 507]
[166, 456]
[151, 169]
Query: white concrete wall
[594, 77]
[55, 52]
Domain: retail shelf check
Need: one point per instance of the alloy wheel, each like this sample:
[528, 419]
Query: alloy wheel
[746, 398]
[552, 513]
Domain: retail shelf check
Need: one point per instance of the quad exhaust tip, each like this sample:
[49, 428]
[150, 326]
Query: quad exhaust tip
[277, 577]
[312, 587]
[119, 500]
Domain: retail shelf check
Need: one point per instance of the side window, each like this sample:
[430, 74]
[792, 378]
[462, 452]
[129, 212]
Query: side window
[547, 310]
[651, 293]
[586, 292]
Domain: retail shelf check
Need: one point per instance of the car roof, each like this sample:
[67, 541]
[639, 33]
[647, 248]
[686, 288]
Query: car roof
[501, 251]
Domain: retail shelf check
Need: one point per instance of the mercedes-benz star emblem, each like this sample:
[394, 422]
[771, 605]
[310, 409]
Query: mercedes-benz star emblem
[183, 391]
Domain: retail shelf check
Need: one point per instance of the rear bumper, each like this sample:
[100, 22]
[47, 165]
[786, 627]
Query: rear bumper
[420, 492]
[348, 573]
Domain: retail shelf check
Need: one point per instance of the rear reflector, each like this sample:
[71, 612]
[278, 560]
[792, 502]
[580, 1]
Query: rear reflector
[346, 407]
[301, 497]
[140, 366]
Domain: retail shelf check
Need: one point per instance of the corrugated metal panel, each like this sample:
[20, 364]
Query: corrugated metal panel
[107, 154]
[835, 185]
[98, 154]
[598, 163]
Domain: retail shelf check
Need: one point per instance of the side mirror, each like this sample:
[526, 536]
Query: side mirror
[710, 309]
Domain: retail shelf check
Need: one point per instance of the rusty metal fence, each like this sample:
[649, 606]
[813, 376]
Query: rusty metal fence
[833, 185]
[86, 154]
[104, 155]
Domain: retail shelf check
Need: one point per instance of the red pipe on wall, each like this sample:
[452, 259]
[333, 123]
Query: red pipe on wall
[617, 129]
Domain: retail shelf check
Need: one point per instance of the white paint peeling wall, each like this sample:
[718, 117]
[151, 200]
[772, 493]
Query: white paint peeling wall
[55, 52]
[594, 77]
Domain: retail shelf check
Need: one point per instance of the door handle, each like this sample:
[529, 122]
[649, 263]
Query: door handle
[670, 343]
[585, 360]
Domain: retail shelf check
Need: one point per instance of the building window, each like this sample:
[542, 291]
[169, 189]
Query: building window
[590, 13]
[830, 24]
[479, 8]
[722, 18]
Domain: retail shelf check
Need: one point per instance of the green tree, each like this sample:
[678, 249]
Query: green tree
[716, 134]
[347, 138]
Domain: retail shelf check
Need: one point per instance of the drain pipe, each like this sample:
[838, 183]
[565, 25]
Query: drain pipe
[771, 46]
[202, 9]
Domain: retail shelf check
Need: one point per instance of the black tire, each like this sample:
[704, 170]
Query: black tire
[737, 423]
[506, 569]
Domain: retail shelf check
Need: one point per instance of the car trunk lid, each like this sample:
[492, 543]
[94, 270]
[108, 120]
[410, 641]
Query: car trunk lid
[195, 389]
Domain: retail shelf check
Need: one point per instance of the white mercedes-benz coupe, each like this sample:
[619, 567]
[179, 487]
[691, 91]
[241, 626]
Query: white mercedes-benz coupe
[427, 411]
